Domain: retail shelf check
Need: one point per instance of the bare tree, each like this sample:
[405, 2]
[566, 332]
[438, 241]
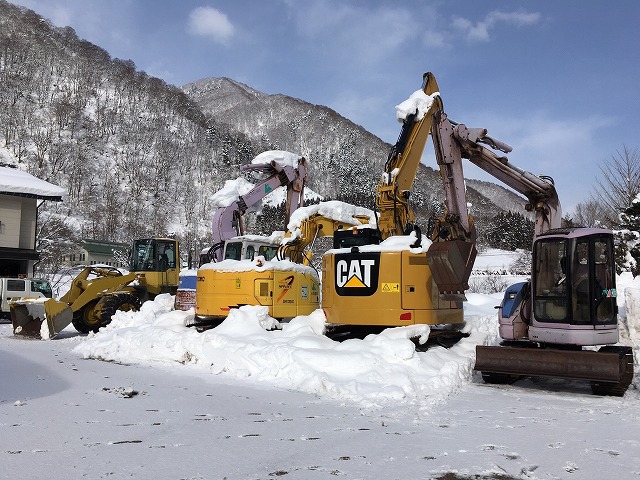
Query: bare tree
[591, 213]
[619, 183]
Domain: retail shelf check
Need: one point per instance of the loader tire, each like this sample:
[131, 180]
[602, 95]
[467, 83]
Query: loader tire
[121, 301]
[85, 319]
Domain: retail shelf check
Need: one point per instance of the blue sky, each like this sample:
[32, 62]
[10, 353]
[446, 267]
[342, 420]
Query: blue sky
[556, 80]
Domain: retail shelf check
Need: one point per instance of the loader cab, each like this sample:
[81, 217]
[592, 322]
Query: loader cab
[573, 279]
[155, 260]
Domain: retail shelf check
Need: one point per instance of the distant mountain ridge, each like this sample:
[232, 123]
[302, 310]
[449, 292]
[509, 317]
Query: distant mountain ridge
[346, 160]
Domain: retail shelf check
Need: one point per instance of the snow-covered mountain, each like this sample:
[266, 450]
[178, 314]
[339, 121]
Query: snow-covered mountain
[139, 157]
[346, 160]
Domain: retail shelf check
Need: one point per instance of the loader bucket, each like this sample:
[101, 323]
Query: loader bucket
[39, 319]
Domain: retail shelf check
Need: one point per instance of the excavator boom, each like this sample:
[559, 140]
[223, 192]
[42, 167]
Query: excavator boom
[282, 169]
[393, 190]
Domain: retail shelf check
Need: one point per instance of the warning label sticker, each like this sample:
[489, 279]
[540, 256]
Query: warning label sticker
[391, 287]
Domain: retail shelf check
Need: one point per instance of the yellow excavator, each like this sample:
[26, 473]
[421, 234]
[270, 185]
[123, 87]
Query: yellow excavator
[545, 323]
[277, 273]
[368, 282]
[97, 292]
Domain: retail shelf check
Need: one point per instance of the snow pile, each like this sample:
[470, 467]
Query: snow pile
[381, 370]
[395, 243]
[333, 210]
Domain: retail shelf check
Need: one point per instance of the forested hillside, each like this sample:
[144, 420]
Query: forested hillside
[136, 155]
[139, 157]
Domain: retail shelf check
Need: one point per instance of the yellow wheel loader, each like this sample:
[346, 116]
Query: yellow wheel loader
[97, 292]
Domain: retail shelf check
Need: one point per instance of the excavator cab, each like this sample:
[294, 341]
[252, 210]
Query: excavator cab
[356, 237]
[247, 247]
[574, 290]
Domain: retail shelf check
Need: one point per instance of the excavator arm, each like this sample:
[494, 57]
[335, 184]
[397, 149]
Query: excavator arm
[227, 221]
[393, 190]
[539, 190]
[321, 220]
[452, 254]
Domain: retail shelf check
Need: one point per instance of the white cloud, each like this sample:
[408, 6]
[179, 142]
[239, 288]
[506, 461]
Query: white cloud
[210, 22]
[480, 31]
[360, 33]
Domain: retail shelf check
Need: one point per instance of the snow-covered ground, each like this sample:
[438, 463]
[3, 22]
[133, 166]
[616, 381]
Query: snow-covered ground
[147, 397]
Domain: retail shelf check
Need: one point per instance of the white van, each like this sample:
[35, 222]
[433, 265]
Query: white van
[21, 288]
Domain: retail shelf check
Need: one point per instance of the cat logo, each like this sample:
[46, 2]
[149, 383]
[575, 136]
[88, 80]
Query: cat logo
[357, 273]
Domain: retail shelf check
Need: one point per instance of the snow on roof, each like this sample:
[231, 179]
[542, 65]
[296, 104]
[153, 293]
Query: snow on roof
[259, 264]
[274, 239]
[418, 103]
[17, 182]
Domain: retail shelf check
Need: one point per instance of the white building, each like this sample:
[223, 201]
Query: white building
[20, 196]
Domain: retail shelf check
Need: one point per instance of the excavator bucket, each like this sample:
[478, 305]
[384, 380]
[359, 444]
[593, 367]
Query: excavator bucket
[39, 319]
[451, 263]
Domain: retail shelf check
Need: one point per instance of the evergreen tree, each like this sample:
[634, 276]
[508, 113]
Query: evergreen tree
[509, 231]
[627, 252]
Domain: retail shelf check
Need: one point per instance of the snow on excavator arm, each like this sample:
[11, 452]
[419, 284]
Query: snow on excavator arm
[392, 192]
[227, 221]
[320, 220]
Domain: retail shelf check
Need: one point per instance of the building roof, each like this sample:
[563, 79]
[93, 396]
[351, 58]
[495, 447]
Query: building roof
[102, 248]
[23, 184]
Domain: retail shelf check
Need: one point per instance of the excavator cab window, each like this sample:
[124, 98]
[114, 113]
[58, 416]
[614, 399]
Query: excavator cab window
[355, 237]
[550, 290]
[604, 276]
[233, 251]
[268, 252]
[574, 280]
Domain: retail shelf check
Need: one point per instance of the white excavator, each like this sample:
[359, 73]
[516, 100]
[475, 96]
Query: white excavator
[552, 324]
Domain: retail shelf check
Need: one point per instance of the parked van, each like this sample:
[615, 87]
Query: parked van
[21, 288]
